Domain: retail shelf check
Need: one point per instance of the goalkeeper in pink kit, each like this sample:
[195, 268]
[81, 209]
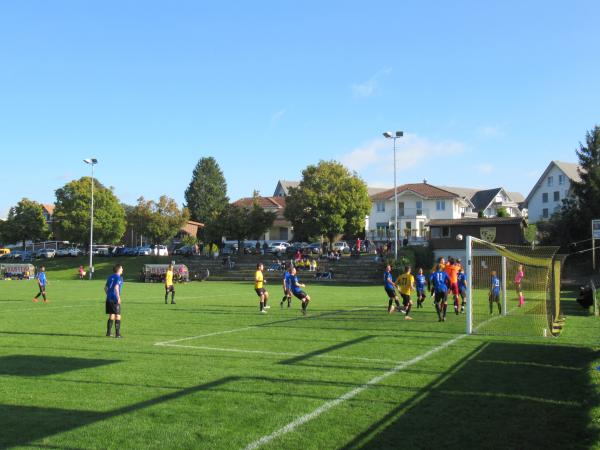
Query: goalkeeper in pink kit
[518, 280]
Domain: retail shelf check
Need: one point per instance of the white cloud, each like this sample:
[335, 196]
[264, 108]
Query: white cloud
[490, 131]
[367, 88]
[375, 159]
[485, 168]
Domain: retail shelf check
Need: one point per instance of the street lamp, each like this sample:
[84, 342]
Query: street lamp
[389, 135]
[92, 162]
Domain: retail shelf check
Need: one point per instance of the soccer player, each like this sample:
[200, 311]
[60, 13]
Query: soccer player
[287, 293]
[259, 288]
[390, 289]
[495, 293]
[434, 269]
[462, 288]
[420, 286]
[169, 286]
[296, 288]
[518, 280]
[42, 283]
[441, 283]
[113, 289]
[406, 284]
[452, 270]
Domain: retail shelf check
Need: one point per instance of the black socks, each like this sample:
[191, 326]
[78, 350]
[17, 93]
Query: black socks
[109, 325]
[118, 327]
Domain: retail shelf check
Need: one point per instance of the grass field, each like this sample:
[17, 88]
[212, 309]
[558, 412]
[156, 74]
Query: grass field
[210, 372]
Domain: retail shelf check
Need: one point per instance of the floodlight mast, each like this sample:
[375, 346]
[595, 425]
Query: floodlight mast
[92, 162]
[389, 135]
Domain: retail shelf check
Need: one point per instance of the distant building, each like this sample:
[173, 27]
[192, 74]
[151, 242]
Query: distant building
[418, 203]
[190, 228]
[281, 230]
[487, 202]
[554, 186]
[48, 212]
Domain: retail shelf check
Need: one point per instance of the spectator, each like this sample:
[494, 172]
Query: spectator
[265, 248]
[358, 245]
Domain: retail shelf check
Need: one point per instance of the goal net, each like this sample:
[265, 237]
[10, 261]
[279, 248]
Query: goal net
[512, 290]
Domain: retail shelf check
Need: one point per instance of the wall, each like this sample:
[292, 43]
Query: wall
[535, 205]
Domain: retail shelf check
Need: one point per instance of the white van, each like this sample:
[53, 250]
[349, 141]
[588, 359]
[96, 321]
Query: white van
[160, 250]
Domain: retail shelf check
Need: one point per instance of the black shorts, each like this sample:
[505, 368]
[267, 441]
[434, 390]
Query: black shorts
[42, 289]
[441, 297]
[301, 295]
[260, 292]
[390, 292]
[463, 292]
[405, 299]
[421, 293]
[494, 297]
[170, 288]
[113, 308]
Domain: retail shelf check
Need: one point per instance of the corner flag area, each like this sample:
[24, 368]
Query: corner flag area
[210, 372]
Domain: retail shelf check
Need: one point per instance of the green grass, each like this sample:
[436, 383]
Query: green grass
[63, 384]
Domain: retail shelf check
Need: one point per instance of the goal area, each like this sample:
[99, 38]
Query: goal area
[512, 290]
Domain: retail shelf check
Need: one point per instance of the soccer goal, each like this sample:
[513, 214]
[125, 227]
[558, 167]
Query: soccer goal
[511, 289]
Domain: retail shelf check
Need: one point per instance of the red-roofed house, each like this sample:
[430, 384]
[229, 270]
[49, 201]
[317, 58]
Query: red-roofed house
[282, 228]
[48, 212]
[417, 204]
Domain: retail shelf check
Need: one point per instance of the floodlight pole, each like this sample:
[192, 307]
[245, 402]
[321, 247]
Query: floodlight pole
[469, 258]
[504, 295]
[389, 135]
[92, 162]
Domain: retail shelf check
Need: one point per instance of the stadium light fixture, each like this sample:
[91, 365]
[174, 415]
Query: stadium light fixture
[389, 135]
[92, 162]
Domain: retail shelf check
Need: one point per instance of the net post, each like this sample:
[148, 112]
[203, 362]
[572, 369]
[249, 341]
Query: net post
[469, 259]
[504, 295]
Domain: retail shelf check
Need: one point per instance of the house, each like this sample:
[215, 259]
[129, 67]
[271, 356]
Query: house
[487, 202]
[418, 203]
[500, 230]
[551, 189]
[282, 228]
[190, 228]
[48, 212]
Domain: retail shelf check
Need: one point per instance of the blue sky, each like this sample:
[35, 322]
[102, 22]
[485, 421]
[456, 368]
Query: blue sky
[486, 92]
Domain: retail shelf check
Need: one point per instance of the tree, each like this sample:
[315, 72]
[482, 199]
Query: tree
[572, 222]
[72, 212]
[158, 221]
[328, 201]
[242, 222]
[206, 195]
[502, 212]
[25, 222]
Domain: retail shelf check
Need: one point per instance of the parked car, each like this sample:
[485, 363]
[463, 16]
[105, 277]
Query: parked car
[46, 253]
[295, 246]
[278, 247]
[61, 252]
[160, 250]
[186, 250]
[341, 246]
[143, 251]
[121, 251]
[315, 247]
[4, 251]
[229, 249]
[73, 251]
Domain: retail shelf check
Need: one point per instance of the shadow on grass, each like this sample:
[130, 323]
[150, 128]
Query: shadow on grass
[24, 424]
[36, 365]
[502, 396]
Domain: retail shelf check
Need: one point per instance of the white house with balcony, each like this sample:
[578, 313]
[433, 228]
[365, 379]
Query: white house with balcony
[417, 204]
[551, 189]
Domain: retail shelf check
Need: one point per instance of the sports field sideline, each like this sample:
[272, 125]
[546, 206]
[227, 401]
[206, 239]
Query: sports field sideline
[210, 372]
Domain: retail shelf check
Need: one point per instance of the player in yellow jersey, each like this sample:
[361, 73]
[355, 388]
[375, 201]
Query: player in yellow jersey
[406, 284]
[259, 288]
[169, 286]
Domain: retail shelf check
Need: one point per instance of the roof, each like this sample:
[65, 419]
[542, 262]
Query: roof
[286, 185]
[49, 207]
[263, 202]
[482, 199]
[424, 190]
[571, 170]
[478, 196]
[477, 222]
[191, 227]
[376, 190]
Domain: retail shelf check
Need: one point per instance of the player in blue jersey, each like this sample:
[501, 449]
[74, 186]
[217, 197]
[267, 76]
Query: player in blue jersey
[390, 289]
[296, 288]
[113, 289]
[42, 283]
[287, 287]
[495, 293]
[420, 281]
[440, 283]
[462, 289]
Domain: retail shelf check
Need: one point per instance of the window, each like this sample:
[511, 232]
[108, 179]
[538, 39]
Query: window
[446, 232]
[556, 196]
[545, 213]
[419, 208]
[400, 209]
[545, 197]
[380, 206]
[550, 181]
[440, 205]
[561, 179]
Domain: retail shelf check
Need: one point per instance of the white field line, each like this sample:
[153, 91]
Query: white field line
[264, 352]
[236, 330]
[354, 392]
[348, 395]
[47, 308]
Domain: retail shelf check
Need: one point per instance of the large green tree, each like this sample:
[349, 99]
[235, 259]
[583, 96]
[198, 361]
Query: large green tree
[206, 195]
[572, 222]
[159, 221]
[25, 221]
[239, 222]
[72, 213]
[329, 201]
